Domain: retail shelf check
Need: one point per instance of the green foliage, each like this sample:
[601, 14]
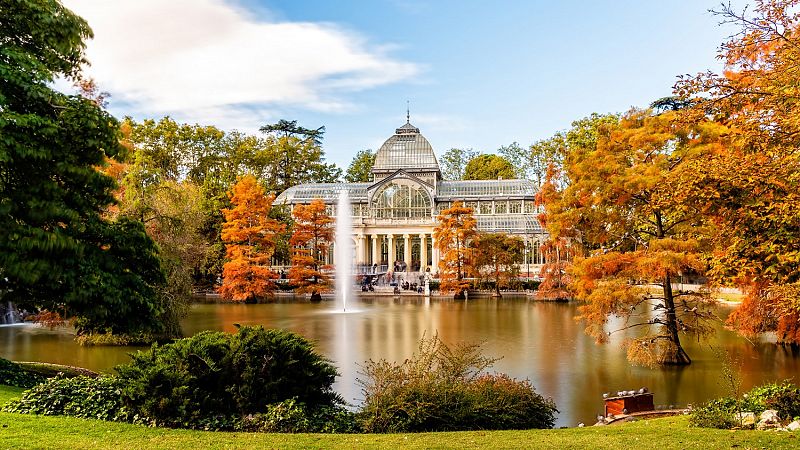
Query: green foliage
[783, 397]
[454, 161]
[56, 248]
[443, 388]
[489, 167]
[110, 339]
[290, 416]
[719, 413]
[12, 374]
[214, 374]
[81, 396]
[360, 169]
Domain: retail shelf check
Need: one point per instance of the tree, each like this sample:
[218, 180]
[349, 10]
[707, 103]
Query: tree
[501, 254]
[57, 248]
[360, 169]
[625, 205]
[249, 236]
[312, 236]
[173, 217]
[455, 231]
[297, 155]
[454, 161]
[750, 185]
[489, 167]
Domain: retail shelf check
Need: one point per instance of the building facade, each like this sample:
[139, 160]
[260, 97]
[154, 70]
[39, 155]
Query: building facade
[395, 214]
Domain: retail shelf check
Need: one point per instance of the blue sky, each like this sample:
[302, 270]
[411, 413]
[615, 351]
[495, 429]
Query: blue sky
[478, 74]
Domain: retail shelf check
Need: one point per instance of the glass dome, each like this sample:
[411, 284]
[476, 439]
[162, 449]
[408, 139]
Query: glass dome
[407, 149]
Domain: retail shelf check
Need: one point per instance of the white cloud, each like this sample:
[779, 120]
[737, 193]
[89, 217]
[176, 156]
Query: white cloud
[199, 59]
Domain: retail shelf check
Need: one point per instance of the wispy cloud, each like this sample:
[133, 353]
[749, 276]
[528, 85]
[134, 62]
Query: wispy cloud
[203, 59]
[439, 122]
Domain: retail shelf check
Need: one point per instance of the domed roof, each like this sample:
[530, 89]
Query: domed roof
[408, 150]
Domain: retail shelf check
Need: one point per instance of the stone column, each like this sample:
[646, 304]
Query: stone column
[423, 252]
[360, 250]
[375, 249]
[435, 256]
[407, 252]
[391, 252]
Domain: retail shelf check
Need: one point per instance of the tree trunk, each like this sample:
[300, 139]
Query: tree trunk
[678, 356]
[459, 295]
[497, 283]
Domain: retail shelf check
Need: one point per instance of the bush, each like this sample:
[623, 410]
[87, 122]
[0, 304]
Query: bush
[719, 413]
[81, 396]
[290, 416]
[205, 380]
[444, 389]
[783, 397]
[12, 374]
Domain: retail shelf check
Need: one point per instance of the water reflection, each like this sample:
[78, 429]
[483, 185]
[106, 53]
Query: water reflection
[539, 341]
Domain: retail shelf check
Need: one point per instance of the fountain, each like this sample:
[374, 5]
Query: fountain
[9, 315]
[343, 252]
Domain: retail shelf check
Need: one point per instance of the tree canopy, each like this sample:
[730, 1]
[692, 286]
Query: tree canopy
[249, 236]
[455, 230]
[626, 206]
[489, 167]
[312, 236]
[498, 256]
[750, 185]
[454, 161]
[57, 248]
[360, 169]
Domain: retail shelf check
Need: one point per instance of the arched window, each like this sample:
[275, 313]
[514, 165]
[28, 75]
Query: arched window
[401, 200]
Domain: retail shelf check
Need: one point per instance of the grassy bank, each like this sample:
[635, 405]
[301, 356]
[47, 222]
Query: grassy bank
[21, 431]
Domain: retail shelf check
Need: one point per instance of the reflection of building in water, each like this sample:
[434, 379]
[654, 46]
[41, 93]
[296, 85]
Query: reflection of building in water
[394, 215]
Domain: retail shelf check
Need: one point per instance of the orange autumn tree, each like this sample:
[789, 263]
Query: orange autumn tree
[751, 186]
[312, 236]
[626, 210]
[557, 252]
[249, 237]
[456, 229]
[498, 255]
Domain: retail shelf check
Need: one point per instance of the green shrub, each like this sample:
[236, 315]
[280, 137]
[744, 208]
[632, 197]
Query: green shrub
[81, 396]
[12, 374]
[290, 416]
[444, 389]
[202, 381]
[783, 397]
[110, 339]
[719, 413]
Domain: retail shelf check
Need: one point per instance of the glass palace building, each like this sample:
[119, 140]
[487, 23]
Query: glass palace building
[395, 214]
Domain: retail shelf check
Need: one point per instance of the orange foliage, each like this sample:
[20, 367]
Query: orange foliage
[249, 237]
[749, 186]
[625, 218]
[49, 319]
[312, 235]
[456, 229]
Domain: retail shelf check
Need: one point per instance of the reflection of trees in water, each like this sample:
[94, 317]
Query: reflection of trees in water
[539, 341]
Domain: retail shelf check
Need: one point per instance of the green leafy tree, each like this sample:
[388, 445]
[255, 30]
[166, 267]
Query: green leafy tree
[489, 167]
[297, 155]
[56, 247]
[360, 169]
[454, 161]
[498, 255]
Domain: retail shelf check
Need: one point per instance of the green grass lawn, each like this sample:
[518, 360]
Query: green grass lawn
[21, 431]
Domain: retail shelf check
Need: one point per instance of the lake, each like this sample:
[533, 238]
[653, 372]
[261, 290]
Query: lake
[536, 340]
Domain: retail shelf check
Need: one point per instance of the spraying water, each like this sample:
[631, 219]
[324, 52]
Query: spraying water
[343, 251]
